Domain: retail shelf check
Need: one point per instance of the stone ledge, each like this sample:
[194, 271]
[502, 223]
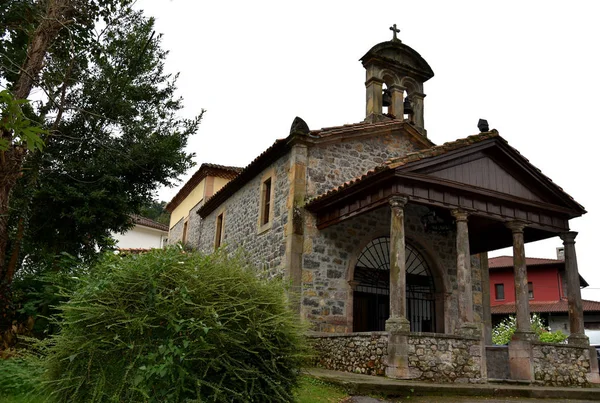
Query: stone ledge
[443, 336]
[336, 335]
[544, 344]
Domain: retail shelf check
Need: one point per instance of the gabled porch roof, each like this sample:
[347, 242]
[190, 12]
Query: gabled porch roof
[481, 174]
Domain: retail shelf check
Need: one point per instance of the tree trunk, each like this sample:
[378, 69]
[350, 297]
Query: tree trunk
[11, 161]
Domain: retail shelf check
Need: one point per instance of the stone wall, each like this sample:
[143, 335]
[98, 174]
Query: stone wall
[497, 362]
[361, 353]
[265, 249]
[560, 364]
[329, 256]
[175, 232]
[443, 358]
[330, 165]
[194, 222]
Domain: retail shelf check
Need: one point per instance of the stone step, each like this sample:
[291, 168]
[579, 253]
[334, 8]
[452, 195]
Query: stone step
[365, 385]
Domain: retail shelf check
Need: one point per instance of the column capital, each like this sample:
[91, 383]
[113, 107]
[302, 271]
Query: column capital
[516, 226]
[568, 237]
[353, 284]
[398, 201]
[374, 80]
[459, 214]
[396, 87]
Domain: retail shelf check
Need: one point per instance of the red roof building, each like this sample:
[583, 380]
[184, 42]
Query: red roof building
[547, 292]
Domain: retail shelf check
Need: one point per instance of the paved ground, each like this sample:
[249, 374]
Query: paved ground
[438, 399]
[425, 392]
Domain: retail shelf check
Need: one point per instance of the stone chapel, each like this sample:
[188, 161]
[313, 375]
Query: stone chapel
[384, 236]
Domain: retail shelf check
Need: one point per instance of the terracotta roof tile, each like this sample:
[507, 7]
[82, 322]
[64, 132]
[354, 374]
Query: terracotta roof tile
[206, 169]
[507, 261]
[146, 222]
[134, 251]
[354, 127]
[441, 149]
[244, 175]
[433, 152]
[546, 306]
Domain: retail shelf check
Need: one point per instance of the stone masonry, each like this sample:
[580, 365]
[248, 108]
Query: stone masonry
[560, 364]
[330, 165]
[329, 256]
[444, 358]
[265, 249]
[361, 353]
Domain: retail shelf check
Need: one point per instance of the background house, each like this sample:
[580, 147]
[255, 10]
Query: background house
[145, 234]
[547, 293]
[207, 180]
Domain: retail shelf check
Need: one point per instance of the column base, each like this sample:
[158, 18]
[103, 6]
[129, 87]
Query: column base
[469, 329]
[593, 376]
[520, 360]
[578, 339]
[397, 325]
[523, 336]
[397, 357]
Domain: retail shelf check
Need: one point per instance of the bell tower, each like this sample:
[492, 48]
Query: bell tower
[402, 71]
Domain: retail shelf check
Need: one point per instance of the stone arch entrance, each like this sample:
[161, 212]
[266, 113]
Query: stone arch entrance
[372, 288]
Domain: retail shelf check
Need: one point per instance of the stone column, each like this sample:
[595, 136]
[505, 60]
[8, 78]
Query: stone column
[397, 325]
[294, 229]
[463, 275]
[520, 354]
[397, 107]
[576, 328]
[523, 330]
[485, 298]
[417, 99]
[374, 96]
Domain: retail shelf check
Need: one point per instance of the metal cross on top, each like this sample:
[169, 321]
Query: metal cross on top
[395, 31]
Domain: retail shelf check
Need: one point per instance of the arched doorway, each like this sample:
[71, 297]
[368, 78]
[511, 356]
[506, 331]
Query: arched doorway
[372, 290]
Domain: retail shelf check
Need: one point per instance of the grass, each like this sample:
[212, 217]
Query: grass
[312, 390]
[20, 399]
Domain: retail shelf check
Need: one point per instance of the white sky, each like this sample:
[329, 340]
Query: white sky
[531, 68]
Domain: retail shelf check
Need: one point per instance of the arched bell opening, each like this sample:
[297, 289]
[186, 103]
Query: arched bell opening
[408, 110]
[372, 289]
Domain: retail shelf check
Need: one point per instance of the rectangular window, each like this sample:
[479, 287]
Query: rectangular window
[219, 231]
[266, 201]
[530, 289]
[266, 193]
[499, 291]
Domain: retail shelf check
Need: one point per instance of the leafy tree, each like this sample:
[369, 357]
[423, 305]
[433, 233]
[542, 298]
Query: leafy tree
[155, 210]
[108, 119]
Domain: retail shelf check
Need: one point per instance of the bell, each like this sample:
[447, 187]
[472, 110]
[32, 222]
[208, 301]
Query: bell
[387, 98]
[408, 110]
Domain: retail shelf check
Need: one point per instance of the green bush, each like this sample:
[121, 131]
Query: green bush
[20, 376]
[502, 333]
[553, 337]
[169, 326]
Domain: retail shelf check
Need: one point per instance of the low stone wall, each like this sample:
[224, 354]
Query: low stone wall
[445, 358]
[560, 364]
[361, 353]
[497, 362]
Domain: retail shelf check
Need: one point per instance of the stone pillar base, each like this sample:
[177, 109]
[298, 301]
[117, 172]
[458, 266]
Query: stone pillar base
[397, 325]
[524, 336]
[469, 330]
[578, 339]
[593, 376]
[520, 360]
[397, 357]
